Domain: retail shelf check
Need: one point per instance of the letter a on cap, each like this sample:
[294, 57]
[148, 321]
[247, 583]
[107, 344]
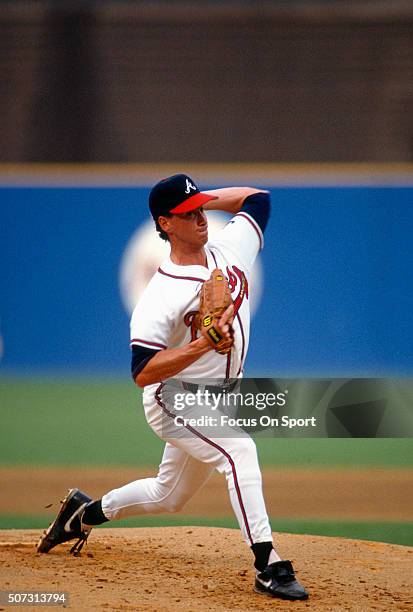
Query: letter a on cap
[189, 186]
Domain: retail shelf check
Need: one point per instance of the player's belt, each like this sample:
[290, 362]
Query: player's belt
[193, 388]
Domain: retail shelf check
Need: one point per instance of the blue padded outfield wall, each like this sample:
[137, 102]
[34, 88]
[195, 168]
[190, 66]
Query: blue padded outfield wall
[337, 297]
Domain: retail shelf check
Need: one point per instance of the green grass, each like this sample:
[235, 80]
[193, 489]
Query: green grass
[99, 422]
[74, 422]
[390, 532]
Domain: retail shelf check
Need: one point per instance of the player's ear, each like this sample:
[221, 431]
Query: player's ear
[165, 223]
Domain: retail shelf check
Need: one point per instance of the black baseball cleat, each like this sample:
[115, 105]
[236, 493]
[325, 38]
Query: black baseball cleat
[278, 580]
[67, 524]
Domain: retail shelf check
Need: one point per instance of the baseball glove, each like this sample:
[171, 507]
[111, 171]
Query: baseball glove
[215, 298]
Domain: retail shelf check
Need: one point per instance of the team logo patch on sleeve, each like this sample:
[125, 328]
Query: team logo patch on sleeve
[207, 320]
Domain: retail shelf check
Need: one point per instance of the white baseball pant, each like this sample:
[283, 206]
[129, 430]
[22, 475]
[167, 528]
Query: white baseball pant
[187, 463]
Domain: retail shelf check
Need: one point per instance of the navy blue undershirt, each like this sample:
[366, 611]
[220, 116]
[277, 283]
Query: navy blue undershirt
[258, 206]
[140, 357]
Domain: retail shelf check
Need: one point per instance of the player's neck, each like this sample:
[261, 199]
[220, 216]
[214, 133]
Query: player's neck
[187, 256]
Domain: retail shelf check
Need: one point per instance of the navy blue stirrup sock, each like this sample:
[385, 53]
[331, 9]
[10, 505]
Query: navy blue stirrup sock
[93, 514]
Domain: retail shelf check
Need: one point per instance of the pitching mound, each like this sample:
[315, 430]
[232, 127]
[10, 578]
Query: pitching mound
[199, 568]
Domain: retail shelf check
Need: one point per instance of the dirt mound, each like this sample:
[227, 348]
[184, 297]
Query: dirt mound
[199, 568]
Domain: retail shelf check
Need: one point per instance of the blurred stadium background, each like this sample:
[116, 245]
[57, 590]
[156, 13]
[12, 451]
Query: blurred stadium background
[313, 100]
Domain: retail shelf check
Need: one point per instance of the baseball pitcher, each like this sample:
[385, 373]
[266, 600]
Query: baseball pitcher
[192, 323]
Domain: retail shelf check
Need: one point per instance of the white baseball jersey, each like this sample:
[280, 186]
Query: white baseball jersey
[165, 314]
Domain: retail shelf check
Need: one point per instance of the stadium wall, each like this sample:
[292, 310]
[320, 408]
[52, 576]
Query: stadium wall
[336, 297]
[122, 81]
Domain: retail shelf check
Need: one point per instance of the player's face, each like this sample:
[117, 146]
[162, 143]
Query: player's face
[190, 227]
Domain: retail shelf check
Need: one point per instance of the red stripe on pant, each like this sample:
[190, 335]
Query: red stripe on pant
[222, 450]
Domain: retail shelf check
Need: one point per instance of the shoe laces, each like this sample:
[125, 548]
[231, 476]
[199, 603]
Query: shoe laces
[282, 571]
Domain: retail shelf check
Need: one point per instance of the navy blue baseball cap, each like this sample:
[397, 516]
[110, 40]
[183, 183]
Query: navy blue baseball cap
[176, 194]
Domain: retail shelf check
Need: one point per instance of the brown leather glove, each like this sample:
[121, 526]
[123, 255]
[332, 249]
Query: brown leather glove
[215, 298]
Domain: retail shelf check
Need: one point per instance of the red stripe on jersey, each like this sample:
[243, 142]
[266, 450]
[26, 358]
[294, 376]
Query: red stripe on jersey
[191, 278]
[156, 344]
[254, 225]
[228, 369]
[215, 259]
[243, 343]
